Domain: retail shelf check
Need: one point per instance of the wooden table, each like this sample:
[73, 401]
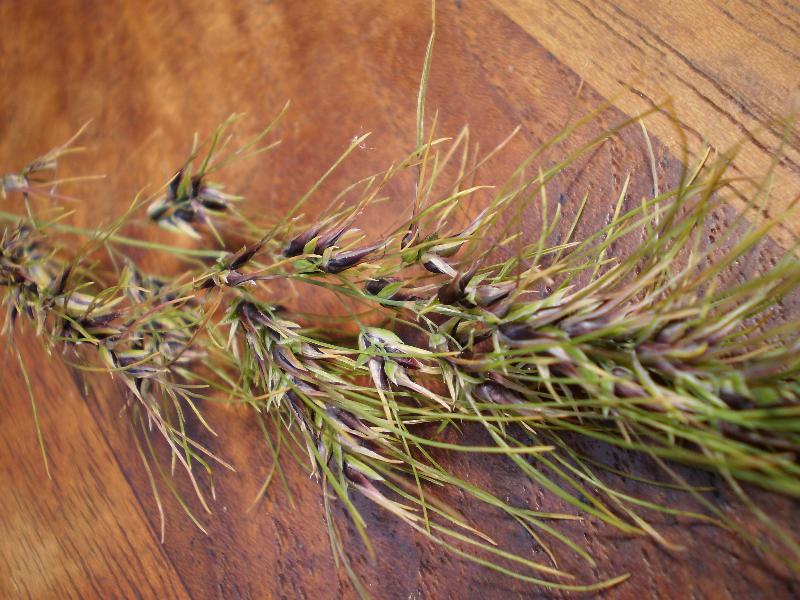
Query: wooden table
[152, 73]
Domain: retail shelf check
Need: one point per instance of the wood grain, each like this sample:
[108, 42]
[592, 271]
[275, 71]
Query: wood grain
[151, 73]
[731, 69]
[81, 534]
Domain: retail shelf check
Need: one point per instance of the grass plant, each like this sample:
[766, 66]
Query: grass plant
[452, 323]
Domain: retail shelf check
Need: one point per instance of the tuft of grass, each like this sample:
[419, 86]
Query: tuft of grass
[450, 325]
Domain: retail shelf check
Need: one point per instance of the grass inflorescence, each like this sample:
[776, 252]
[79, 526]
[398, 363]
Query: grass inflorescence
[454, 322]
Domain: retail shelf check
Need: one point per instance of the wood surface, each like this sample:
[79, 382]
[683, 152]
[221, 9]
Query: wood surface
[731, 69]
[150, 74]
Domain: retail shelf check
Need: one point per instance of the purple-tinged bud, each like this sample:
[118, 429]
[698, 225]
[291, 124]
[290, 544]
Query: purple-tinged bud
[452, 292]
[234, 278]
[409, 237]
[497, 394]
[287, 361]
[375, 286]
[60, 284]
[355, 477]
[436, 264]
[455, 291]
[346, 260]
[252, 316]
[377, 373]
[486, 295]
[14, 183]
[296, 245]
[245, 255]
[579, 328]
[626, 388]
[519, 332]
[329, 238]
[174, 184]
[213, 198]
